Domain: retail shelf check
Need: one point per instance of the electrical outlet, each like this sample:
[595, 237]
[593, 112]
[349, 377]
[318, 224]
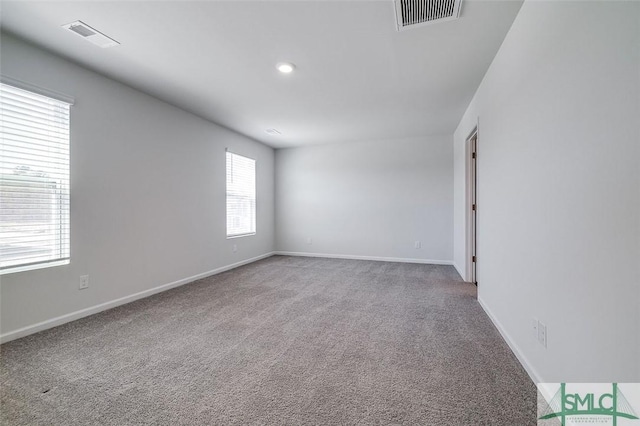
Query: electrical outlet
[417, 244]
[235, 248]
[84, 282]
[542, 334]
[309, 241]
[534, 327]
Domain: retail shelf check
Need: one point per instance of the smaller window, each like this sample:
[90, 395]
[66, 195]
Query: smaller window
[241, 195]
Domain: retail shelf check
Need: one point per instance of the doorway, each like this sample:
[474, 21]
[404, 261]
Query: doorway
[472, 207]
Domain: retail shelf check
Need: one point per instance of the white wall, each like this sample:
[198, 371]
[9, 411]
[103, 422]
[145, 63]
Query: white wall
[370, 199]
[559, 189]
[147, 194]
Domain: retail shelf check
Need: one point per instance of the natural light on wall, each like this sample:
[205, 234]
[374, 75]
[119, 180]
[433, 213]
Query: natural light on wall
[241, 195]
[34, 180]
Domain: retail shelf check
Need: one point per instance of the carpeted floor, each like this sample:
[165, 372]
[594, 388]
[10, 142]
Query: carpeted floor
[285, 340]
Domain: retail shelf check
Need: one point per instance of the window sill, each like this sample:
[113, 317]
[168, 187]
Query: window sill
[231, 237]
[18, 268]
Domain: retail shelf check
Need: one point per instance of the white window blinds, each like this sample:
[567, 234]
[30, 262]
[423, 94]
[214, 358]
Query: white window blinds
[241, 195]
[34, 180]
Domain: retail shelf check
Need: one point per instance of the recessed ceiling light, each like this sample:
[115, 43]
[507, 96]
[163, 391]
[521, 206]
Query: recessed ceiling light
[285, 67]
[273, 132]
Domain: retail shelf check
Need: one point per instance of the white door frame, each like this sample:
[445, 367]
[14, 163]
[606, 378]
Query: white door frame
[471, 232]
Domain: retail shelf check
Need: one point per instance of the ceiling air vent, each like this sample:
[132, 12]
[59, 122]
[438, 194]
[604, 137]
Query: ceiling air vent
[90, 34]
[417, 13]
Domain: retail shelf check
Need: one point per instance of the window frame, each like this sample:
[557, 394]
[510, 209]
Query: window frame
[253, 202]
[62, 237]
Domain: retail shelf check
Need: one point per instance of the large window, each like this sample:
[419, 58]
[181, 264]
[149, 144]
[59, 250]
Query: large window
[34, 180]
[241, 195]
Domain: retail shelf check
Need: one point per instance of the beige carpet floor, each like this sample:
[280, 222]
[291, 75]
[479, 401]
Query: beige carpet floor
[285, 340]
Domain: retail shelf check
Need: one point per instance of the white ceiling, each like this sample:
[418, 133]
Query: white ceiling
[357, 78]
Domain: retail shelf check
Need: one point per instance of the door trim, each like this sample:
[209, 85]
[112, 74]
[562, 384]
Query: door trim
[470, 197]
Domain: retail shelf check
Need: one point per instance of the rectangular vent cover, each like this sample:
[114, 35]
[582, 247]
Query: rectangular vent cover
[90, 34]
[417, 13]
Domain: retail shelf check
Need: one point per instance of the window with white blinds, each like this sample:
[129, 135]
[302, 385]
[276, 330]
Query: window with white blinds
[241, 195]
[34, 180]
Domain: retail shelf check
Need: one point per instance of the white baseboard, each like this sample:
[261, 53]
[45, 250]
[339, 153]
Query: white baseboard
[533, 374]
[54, 322]
[455, 265]
[353, 257]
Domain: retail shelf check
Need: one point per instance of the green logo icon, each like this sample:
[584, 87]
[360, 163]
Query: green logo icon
[588, 404]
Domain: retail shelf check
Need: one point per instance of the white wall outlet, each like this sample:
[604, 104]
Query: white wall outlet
[309, 241]
[84, 282]
[534, 327]
[235, 248]
[417, 244]
[542, 334]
